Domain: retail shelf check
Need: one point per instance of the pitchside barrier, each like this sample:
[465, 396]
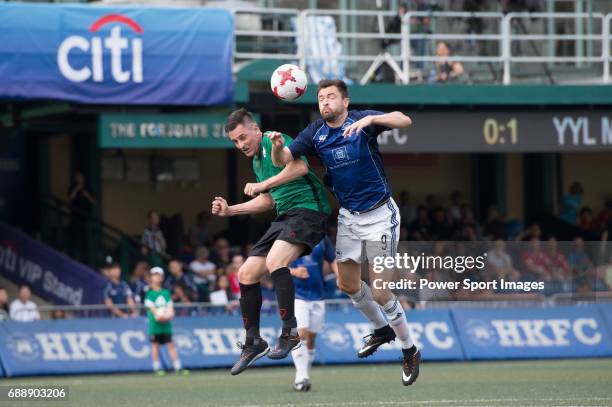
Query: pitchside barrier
[98, 345]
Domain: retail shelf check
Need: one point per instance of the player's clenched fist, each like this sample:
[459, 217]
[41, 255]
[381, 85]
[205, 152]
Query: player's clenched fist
[254, 189]
[220, 207]
[276, 137]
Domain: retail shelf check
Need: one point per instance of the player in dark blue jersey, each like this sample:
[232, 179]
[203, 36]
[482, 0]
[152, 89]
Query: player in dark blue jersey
[346, 142]
[307, 274]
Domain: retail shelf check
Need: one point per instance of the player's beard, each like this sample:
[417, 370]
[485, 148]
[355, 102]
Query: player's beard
[330, 116]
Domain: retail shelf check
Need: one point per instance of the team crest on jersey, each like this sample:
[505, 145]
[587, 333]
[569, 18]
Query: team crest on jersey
[340, 154]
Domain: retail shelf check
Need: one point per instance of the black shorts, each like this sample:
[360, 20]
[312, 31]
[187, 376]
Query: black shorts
[160, 338]
[296, 226]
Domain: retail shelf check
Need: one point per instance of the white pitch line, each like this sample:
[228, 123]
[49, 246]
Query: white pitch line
[433, 402]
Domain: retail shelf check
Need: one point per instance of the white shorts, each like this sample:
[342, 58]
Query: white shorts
[376, 231]
[310, 315]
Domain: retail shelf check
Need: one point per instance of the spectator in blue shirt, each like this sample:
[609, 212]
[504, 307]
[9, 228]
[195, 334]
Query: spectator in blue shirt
[118, 292]
[180, 284]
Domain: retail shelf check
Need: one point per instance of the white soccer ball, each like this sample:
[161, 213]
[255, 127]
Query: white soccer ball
[164, 314]
[288, 82]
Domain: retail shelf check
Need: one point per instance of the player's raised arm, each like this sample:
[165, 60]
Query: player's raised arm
[292, 171]
[392, 120]
[281, 155]
[262, 203]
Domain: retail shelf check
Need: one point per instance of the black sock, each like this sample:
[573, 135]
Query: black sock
[250, 305]
[382, 331]
[285, 295]
[410, 351]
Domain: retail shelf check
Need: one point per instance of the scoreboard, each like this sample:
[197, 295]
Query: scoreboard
[499, 131]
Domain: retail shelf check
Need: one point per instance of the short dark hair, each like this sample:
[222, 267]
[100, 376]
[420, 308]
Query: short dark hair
[338, 83]
[237, 117]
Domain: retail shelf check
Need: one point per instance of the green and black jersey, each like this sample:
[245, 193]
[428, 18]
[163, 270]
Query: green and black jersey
[305, 192]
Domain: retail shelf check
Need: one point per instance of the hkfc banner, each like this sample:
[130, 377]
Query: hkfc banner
[116, 55]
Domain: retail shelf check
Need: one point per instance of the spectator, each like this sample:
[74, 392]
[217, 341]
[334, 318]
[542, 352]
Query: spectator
[467, 228]
[535, 262]
[440, 228]
[199, 232]
[139, 281]
[267, 288]
[445, 70]
[421, 25]
[604, 219]
[578, 260]
[432, 202]
[202, 267]
[204, 273]
[495, 227]
[81, 205]
[58, 314]
[558, 266]
[407, 210]
[237, 262]
[394, 26]
[4, 304]
[456, 205]
[23, 309]
[499, 260]
[181, 284]
[533, 231]
[221, 253]
[385, 73]
[585, 220]
[222, 294]
[118, 292]
[153, 240]
[571, 202]
[419, 228]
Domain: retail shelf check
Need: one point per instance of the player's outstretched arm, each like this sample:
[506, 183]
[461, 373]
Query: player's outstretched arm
[262, 203]
[281, 155]
[292, 171]
[393, 120]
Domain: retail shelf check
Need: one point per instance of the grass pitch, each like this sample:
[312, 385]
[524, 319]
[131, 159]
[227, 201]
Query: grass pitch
[583, 382]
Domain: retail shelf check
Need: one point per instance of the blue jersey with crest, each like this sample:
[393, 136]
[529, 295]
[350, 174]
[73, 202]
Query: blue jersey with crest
[354, 164]
[311, 288]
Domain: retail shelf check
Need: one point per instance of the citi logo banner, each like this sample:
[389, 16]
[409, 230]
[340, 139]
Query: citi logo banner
[113, 43]
[116, 55]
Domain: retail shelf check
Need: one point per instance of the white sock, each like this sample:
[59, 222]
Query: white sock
[177, 364]
[364, 302]
[300, 360]
[311, 356]
[397, 320]
[156, 365]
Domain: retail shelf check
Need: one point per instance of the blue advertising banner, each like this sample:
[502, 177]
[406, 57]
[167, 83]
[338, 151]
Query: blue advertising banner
[51, 275]
[116, 55]
[114, 345]
[578, 331]
[605, 310]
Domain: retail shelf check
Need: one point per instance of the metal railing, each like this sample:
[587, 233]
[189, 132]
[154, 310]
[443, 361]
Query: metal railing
[496, 46]
[203, 309]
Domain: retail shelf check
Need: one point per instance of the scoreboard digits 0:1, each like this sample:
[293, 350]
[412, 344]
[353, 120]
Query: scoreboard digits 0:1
[495, 133]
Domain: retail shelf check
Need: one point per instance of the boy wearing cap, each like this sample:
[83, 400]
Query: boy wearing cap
[161, 311]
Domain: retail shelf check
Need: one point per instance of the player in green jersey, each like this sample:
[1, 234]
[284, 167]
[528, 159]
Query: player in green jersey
[302, 209]
[161, 311]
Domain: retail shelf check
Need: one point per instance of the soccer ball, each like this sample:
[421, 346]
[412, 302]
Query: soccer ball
[164, 314]
[288, 82]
